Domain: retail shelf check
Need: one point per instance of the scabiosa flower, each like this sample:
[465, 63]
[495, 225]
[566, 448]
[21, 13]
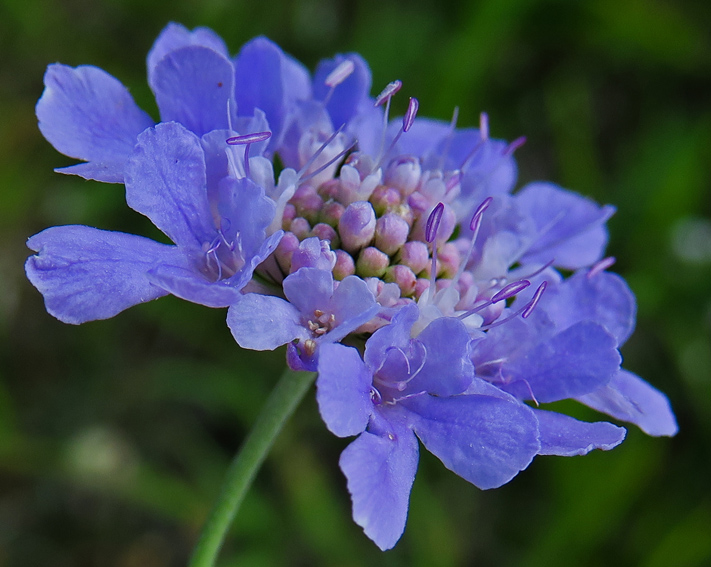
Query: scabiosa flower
[86, 274]
[392, 257]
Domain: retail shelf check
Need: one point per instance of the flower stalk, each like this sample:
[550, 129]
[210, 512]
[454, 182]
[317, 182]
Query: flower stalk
[279, 407]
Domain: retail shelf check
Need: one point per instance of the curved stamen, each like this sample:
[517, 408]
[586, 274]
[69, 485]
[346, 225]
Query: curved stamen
[509, 291]
[247, 140]
[328, 163]
[407, 122]
[601, 266]
[318, 152]
[431, 228]
[513, 146]
[388, 92]
[448, 140]
[474, 226]
[342, 71]
[484, 126]
[525, 311]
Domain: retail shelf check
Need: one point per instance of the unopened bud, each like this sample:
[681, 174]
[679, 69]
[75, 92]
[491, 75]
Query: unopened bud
[403, 277]
[390, 233]
[404, 173]
[414, 255]
[284, 251]
[300, 227]
[449, 257]
[345, 266]
[357, 226]
[371, 263]
[384, 199]
[308, 203]
[288, 216]
[331, 213]
[326, 232]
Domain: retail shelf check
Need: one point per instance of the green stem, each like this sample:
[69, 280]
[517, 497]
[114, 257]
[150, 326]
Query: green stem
[279, 407]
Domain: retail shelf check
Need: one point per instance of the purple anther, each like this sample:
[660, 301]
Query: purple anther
[249, 138]
[409, 118]
[388, 92]
[453, 180]
[601, 266]
[536, 298]
[476, 218]
[510, 290]
[340, 73]
[433, 222]
[484, 125]
[513, 146]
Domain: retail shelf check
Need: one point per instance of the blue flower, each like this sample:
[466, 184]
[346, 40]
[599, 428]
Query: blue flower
[420, 386]
[86, 274]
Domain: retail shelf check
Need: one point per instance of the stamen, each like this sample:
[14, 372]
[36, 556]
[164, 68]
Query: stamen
[388, 92]
[431, 236]
[448, 140]
[513, 146]
[409, 118]
[342, 71]
[536, 298]
[525, 311]
[318, 152]
[510, 290]
[601, 266]
[474, 225]
[453, 180]
[433, 222]
[484, 126]
[328, 163]
[247, 140]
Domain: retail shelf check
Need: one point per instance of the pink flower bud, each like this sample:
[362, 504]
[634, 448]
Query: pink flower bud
[403, 277]
[414, 255]
[345, 266]
[390, 233]
[357, 226]
[371, 263]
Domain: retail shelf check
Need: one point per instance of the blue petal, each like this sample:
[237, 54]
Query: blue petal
[380, 470]
[87, 274]
[174, 36]
[566, 437]
[396, 334]
[269, 80]
[629, 398]
[575, 362]
[263, 322]
[350, 95]
[246, 213]
[165, 180]
[190, 285]
[309, 289]
[194, 86]
[343, 390]
[105, 171]
[447, 370]
[485, 440]
[571, 227]
[353, 305]
[604, 298]
[87, 114]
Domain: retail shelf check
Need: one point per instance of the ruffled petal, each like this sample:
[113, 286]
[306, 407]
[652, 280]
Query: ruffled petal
[604, 298]
[353, 305]
[194, 85]
[629, 398]
[447, 370]
[263, 322]
[571, 228]
[566, 437]
[87, 274]
[486, 440]
[165, 180]
[580, 360]
[343, 390]
[174, 36]
[380, 470]
[396, 334]
[191, 285]
[347, 96]
[87, 114]
[309, 289]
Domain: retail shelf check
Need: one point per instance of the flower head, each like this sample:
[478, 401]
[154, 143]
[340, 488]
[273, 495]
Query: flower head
[393, 257]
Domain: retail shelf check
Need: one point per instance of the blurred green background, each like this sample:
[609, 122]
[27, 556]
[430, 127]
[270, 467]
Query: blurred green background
[114, 436]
